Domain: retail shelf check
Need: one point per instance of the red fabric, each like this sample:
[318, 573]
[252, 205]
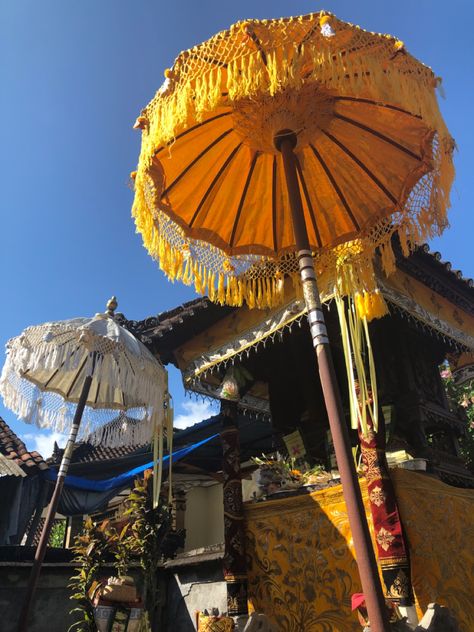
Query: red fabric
[357, 600]
[392, 551]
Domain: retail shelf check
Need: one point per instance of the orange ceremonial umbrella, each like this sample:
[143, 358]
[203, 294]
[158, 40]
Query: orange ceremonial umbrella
[295, 147]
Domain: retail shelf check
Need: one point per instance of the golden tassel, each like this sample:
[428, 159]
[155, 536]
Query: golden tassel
[198, 279]
[241, 292]
[250, 293]
[228, 293]
[211, 290]
[221, 289]
[360, 304]
[187, 277]
[377, 306]
[234, 288]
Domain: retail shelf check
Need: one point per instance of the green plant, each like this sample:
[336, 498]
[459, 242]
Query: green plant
[57, 535]
[139, 541]
[461, 396]
[91, 548]
[149, 527]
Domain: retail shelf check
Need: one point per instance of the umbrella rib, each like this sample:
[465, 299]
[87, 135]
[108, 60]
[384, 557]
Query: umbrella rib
[387, 139]
[56, 371]
[195, 160]
[76, 376]
[97, 393]
[274, 208]
[308, 201]
[335, 186]
[380, 105]
[192, 129]
[364, 167]
[308, 35]
[213, 183]
[242, 198]
[258, 44]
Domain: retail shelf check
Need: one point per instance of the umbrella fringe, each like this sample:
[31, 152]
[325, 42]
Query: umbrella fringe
[96, 428]
[378, 69]
[238, 65]
[45, 367]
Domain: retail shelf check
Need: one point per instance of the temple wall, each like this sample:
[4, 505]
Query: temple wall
[52, 604]
[204, 519]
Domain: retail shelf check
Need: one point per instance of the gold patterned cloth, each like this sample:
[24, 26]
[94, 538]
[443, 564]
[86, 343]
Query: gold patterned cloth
[215, 624]
[439, 524]
[302, 570]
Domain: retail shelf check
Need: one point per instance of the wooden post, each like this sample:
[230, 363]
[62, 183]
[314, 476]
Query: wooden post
[235, 567]
[285, 142]
[180, 512]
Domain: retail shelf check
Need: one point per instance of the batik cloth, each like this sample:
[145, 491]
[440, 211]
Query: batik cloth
[392, 550]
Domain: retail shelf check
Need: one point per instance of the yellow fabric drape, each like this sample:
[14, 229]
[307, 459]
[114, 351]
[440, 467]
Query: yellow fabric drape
[302, 569]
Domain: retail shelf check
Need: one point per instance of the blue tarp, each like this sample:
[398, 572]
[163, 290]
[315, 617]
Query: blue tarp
[122, 479]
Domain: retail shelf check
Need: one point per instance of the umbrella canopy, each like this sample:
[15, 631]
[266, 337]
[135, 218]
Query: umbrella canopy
[47, 365]
[373, 157]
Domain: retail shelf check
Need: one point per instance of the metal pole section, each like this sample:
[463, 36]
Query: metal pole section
[286, 141]
[53, 506]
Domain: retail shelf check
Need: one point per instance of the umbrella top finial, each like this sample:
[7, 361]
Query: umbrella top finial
[112, 306]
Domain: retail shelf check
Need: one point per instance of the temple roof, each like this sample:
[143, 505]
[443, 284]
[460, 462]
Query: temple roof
[439, 275]
[167, 331]
[13, 449]
[256, 436]
[85, 452]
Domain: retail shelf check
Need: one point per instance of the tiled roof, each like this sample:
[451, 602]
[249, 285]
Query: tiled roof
[13, 448]
[429, 268]
[87, 453]
[167, 331]
[446, 265]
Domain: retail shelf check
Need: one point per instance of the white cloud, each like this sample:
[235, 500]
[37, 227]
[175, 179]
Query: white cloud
[194, 411]
[44, 443]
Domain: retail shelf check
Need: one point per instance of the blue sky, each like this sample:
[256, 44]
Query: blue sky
[74, 76]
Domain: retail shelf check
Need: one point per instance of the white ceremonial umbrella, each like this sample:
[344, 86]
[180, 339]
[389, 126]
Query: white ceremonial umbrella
[89, 377]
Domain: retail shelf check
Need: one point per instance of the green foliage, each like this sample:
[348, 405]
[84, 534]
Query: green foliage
[91, 548]
[139, 541]
[57, 535]
[148, 529]
[461, 398]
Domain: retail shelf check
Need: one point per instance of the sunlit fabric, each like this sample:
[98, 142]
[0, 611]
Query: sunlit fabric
[373, 158]
[302, 571]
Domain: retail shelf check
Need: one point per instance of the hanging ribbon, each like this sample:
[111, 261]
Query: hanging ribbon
[158, 447]
[157, 463]
[363, 398]
[169, 444]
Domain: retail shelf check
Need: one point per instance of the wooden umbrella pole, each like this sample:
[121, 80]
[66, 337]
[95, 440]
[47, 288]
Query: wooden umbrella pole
[285, 142]
[53, 506]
